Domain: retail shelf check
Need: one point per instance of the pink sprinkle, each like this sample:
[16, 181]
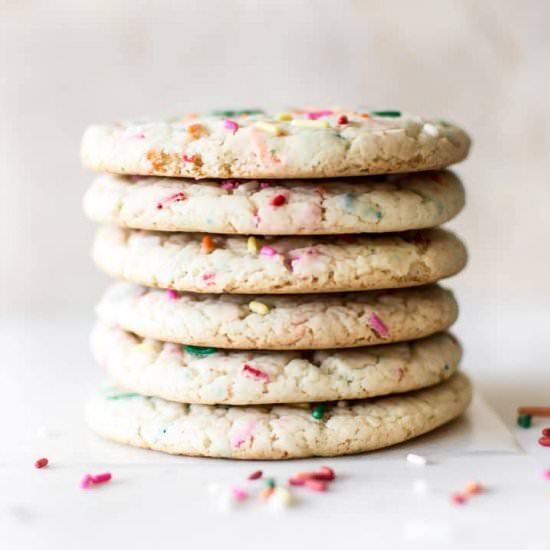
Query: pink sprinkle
[188, 158]
[314, 115]
[278, 200]
[208, 277]
[86, 481]
[240, 438]
[41, 463]
[343, 119]
[315, 484]
[264, 184]
[172, 294]
[230, 125]
[239, 494]
[378, 326]
[255, 475]
[268, 251]
[458, 498]
[102, 478]
[176, 197]
[546, 473]
[258, 374]
[230, 184]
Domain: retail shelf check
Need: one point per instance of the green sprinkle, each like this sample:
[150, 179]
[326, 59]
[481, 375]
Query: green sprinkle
[116, 396]
[389, 114]
[319, 411]
[524, 420]
[270, 482]
[232, 113]
[198, 351]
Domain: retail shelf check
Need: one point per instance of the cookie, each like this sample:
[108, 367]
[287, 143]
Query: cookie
[360, 205]
[278, 431]
[234, 264]
[306, 321]
[205, 375]
[299, 144]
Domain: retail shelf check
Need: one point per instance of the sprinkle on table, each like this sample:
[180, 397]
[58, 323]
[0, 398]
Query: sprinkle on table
[207, 244]
[417, 460]
[198, 351]
[546, 473]
[259, 307]
[524, 420]
[546, 432]
[319, 411]
[257, 474]
[458, 498]
[534, 411]
[41, 463]
[387, 114]
[278, 200]
[88, 480]
[544, 441]
[473, 488]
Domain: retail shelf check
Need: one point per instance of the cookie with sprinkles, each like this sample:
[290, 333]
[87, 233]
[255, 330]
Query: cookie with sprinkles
[276, 431]
[306, 321]
[301, 143]
[236, 264]
[189, 374]
[397, 202]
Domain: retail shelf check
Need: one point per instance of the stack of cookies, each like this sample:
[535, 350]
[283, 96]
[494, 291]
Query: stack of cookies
[276, 293]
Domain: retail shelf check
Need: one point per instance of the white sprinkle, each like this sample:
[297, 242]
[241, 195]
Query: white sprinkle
[417, 460]
[420, 486]
[430, 129]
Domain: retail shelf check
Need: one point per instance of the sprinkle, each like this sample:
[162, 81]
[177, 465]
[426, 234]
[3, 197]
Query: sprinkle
[259, 308]
[207, 244]
[325, 473]
[268, 251]
[195, 130]
[283, 117]
[319, 411]
[278, 200]
[378, 326]
[281, 498]
[546, 432]
[343, 119]
[172, 294]
[41, 463]
[230, 184]
[265, 494]
[544, 441]
[546, 473]
[89, 480]
[230, 125]
[306, 123]
[269, 128]
[473, 488]
[534, 411]
[86, 481]
[314, 115]
[255, 373]
[315, 485]
[524, 420]
[241, 437]
[257, 474]
[270, 482]
[348, 201]
[252, 245]
[430, 130]
[420, 486]
[199, 351]
[239, 494]
[117, 396]
[264, 184]
[417, 460]
[194, 159]
[388, 114]
[176, 197]
[144, 347]
[234, 112]
[458, 498]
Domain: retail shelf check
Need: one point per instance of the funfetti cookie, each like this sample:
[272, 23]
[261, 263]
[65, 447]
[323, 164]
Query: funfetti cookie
[236, 264]
[191, 374]
[283, 207]
[306, 321]
[253, 144]
[278, 431]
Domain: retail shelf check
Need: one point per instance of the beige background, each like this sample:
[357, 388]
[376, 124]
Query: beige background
[67, 63]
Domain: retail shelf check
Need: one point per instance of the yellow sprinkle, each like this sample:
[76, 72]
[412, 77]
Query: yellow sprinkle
[259, 308]
[283, 116]
[283, 495]
[144, 347]
[306, 123]
[195, 130]
[269, 128]
[252, 245]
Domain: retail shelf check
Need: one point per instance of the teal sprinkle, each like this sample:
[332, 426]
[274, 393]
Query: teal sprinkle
[319, 411]
[524, 420]
[122, 396]
[236, 112]
[370, 211]
[270, 482]
[388, 114]
[348, 201]
[198, 351]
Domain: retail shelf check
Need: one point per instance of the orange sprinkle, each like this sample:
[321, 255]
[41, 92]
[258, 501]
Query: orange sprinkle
[265, 493]
[473, 488]
[207, 244]
[195, 130]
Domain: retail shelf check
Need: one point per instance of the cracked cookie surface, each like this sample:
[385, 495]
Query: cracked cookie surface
[277, 431]
[359, 205]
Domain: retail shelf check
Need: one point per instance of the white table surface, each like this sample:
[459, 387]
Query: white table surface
[47, 372]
